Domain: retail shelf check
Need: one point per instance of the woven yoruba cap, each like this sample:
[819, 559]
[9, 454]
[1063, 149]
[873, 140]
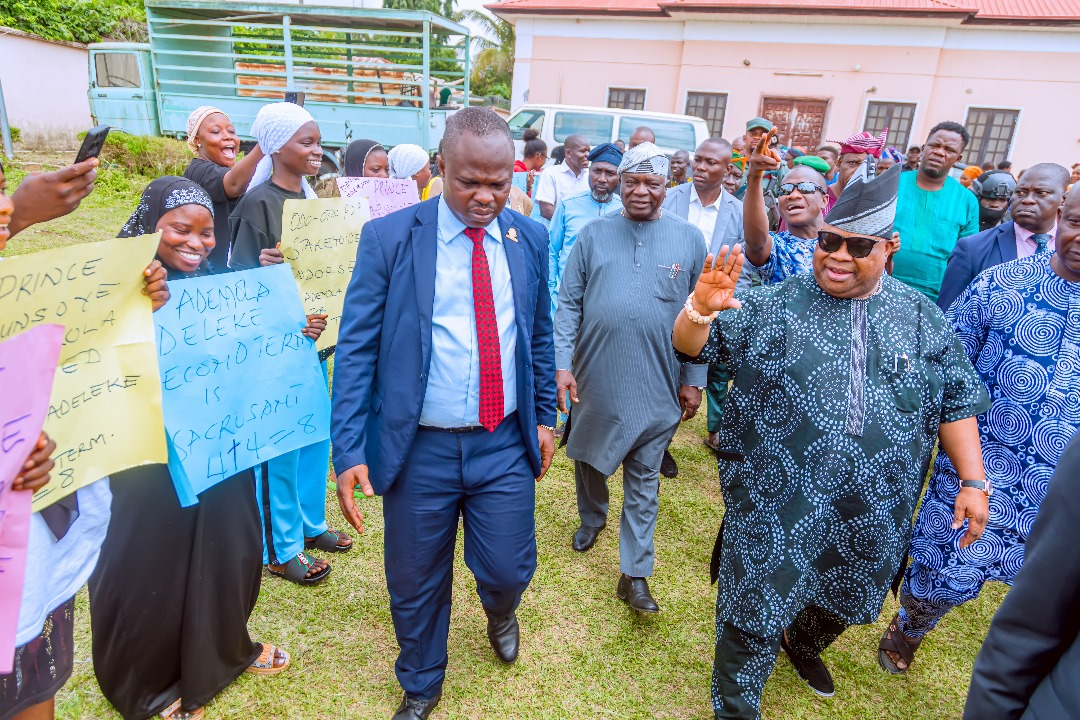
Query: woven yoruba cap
[868, 204]
[645, 158]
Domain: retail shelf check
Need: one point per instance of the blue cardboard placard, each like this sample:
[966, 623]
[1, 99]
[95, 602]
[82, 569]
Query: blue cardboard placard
[521, 181]
[240, 382]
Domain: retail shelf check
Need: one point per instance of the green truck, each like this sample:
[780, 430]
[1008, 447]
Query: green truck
[363, 73]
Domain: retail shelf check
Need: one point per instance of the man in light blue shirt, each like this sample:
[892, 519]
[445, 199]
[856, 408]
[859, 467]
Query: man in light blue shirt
[448, 402]
[573, 213]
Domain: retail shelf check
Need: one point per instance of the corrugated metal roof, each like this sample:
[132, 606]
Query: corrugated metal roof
[1025, 11]
[1029, 9]
[853, 5]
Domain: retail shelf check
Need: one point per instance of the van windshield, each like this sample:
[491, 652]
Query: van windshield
[120, 70]
[596, 128]
[669, 133]
[525, 119]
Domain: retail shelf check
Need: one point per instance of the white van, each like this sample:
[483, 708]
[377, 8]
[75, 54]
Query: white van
[601, 125]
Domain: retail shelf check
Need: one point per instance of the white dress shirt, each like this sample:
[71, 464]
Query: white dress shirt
[704, 217]
[559, 182]
[452, 398]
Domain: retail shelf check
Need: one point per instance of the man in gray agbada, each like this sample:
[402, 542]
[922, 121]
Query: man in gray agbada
[625, 281]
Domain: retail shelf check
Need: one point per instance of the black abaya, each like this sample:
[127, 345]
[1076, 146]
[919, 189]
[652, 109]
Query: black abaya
[173, 590]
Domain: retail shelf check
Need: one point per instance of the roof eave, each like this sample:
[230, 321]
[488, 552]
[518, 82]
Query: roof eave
[1002, 20]
[499, 10]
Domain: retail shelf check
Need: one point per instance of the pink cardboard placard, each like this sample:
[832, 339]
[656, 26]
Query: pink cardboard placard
[27, 368]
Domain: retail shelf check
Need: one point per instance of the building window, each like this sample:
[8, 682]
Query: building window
[710, 107]
[895, 116]
[626, 98]
[991, 135]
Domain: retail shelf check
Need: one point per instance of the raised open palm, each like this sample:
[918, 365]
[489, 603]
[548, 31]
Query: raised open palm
[715, 288]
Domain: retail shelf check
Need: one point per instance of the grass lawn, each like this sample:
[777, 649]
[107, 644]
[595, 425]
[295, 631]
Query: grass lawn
[584, 653]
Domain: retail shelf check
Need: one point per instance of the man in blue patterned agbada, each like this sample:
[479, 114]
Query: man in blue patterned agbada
[1020, 326]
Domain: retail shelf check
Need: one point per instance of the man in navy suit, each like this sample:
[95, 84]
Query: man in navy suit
[444, 398]
[1035, 203]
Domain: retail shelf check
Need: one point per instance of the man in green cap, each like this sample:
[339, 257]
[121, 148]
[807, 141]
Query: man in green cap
[757, 128]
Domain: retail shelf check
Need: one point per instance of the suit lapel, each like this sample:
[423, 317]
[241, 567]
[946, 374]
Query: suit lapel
[425, 244]
[724, 218]
[519, 280]
[1007, 242]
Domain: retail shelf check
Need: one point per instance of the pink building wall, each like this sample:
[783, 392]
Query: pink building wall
[943, 71]
[45, 83]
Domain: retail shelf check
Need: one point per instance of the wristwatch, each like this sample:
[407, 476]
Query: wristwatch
[983, 485]
[546, 427]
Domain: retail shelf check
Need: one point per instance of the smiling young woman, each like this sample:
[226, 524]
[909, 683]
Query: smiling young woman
[213, 139]
[176, 603]
[291, 487]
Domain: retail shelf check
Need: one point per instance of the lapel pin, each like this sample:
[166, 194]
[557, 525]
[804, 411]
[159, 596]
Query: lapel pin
[512, 234]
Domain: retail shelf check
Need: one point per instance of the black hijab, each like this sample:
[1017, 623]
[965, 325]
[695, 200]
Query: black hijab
[162, 195]
[356, 155]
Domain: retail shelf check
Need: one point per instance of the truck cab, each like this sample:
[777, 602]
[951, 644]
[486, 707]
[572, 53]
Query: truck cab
[122, 88]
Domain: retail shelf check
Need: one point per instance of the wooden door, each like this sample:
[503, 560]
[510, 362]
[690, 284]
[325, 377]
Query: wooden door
[799, 121]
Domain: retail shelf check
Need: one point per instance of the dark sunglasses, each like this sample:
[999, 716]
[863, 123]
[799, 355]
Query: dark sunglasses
[805, 187]
[858, 246]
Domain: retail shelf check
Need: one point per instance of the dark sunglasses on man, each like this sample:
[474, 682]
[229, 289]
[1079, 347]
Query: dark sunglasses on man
[805, 187]
[858, 246]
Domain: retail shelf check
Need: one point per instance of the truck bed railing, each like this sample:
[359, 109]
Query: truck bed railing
[380, 70]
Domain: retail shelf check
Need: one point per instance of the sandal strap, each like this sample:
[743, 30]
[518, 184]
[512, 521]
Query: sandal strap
[270, 653]
[297, 568]
[894, 641]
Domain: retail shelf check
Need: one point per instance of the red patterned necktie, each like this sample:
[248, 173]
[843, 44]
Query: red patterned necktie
[487, 335]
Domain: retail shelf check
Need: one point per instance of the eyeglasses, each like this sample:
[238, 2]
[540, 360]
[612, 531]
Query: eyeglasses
[806, 187]
[858, 246]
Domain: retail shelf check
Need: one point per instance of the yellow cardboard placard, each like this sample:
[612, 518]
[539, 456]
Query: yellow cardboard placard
[105, 407]
[319, 239]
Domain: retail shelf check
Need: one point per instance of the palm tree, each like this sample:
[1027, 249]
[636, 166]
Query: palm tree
[493, 46]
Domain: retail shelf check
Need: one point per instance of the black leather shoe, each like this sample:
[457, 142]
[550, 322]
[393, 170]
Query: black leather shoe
[414, 708]
[585, 537]
[635, 591]
[505, 636]
[668, 467]
[813, 672]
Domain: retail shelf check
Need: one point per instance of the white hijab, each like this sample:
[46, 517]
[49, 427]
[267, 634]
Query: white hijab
[406, 160]
[273, 127]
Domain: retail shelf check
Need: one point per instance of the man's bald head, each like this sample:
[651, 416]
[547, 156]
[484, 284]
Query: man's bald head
[641, 135]
[577, 152]
[1066, 259]
[1038, 196]
[575, 141]
[1051, 172]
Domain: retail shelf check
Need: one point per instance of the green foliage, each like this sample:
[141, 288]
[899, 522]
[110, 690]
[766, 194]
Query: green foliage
[493, 64]
[144, 155]
[16, 134]
[445, 59]
[83, 21]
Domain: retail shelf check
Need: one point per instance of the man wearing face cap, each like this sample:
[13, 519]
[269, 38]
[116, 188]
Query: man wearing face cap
[844, 380]
[576, 211]
[624, 283]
